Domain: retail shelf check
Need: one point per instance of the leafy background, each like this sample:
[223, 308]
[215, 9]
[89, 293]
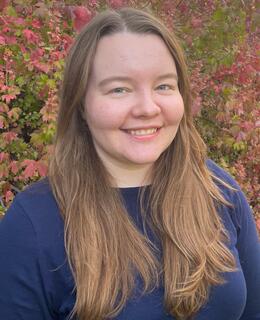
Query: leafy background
[220, 38]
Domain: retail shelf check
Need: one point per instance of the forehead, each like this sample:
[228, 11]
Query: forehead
[132, 53]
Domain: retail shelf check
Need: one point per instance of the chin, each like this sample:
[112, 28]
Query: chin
[144, 160]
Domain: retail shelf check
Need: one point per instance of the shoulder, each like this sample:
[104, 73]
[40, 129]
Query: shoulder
[225, 182]
[37, 205]
[228, 186]
[32, 244]
[220, 173]
[239, 210]
[37, 193]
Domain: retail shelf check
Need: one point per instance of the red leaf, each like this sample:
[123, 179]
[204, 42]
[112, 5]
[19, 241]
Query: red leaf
[36, 24]
[247, 125]
[36, 54]
[23, 48]
[183, 7]
[41, 66]
[8, 97]
[241, 136]
[258, 224]
[9, 196]
[6, 29]
[3, 156]
[68, 40]
[56, 55]
[3, 87]
[11, 40]
[116, 3]
[42, 169]
[82, 17]
[196, 22]
[9, 136]
[93, 3]
[30, 168]
[14, 167]
[3, 4]
[168, 6]
[196, 106]
[30, 36]
[33, 167]
[2, 40]
[20, 21]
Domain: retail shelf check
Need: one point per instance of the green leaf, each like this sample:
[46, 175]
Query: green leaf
[51, 83]
[11, 11]
[239, 146]
[20, 81]
[218, 15]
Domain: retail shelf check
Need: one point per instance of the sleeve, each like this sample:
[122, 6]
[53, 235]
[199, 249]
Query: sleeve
[22, 295]
[248, 246]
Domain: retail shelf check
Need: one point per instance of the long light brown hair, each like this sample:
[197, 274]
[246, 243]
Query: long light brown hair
[105, 249]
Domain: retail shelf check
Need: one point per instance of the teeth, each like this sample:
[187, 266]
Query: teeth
[142, 132]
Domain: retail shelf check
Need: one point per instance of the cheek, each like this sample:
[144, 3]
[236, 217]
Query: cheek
[175, 110]
[101, 115]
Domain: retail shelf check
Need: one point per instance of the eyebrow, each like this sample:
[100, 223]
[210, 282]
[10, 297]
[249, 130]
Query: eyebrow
[125, 79]
[168, 76]
[111, 79]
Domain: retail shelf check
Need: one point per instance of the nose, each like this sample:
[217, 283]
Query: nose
[145, 105]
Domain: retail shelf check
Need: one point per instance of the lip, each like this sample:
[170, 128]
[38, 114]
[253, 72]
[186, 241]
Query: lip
[147, 137]
[158, 127]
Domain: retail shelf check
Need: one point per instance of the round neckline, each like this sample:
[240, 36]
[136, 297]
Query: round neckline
[127, 191]
[136, 187]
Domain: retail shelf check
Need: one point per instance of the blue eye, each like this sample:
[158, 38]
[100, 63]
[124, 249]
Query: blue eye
[119, 90]
[164, 87]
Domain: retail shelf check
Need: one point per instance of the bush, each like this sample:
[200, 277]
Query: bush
[220, 40]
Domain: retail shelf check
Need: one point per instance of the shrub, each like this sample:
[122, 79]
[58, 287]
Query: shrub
[220, 40]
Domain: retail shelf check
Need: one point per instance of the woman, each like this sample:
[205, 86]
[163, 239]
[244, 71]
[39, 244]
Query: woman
[133, 222]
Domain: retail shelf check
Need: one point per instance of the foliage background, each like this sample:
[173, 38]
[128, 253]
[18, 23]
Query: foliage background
[222, 49]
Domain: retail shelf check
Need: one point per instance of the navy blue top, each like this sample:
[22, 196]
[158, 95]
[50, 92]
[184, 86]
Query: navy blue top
[36, 282]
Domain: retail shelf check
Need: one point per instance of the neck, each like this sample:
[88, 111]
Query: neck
[129, 176]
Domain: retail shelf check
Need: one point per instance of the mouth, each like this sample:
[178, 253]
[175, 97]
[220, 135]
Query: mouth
[142, 132]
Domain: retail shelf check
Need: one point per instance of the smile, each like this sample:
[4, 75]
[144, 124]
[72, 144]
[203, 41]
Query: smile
[142, 132]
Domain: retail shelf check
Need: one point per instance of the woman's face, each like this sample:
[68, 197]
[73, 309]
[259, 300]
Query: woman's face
[133, 106]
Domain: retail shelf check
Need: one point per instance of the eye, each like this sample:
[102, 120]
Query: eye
[119, 90]
[165, 87]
